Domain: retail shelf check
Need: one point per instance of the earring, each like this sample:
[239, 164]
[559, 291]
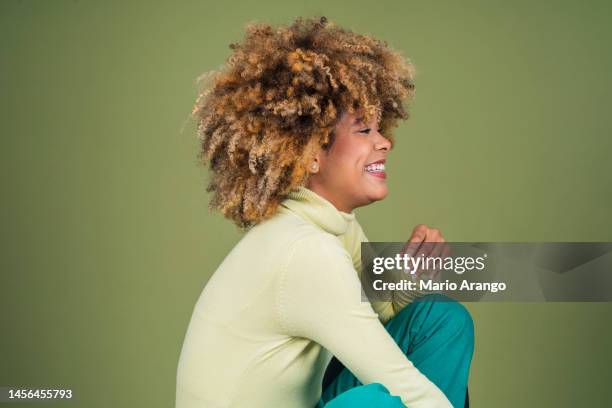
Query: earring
[314, 166]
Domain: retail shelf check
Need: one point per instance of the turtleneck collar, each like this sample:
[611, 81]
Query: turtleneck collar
[318, 211]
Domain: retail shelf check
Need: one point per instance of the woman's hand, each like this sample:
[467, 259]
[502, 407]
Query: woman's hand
[426, 242]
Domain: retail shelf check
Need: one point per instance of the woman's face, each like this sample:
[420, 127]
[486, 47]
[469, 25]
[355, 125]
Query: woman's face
[352, 172]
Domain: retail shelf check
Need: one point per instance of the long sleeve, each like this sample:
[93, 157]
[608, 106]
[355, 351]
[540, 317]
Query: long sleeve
[352, 240]
[320, 299]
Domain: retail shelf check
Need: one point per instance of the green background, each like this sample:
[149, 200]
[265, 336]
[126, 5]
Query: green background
[106, 236]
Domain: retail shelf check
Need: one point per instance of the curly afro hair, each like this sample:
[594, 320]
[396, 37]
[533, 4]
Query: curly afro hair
[263, 116]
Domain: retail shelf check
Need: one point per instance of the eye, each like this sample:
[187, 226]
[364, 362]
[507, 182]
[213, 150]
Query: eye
[366, 131]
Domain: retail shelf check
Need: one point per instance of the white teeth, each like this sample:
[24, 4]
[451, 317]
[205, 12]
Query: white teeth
[372, 168]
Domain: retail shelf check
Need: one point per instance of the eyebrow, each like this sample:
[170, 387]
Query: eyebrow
[358, 121]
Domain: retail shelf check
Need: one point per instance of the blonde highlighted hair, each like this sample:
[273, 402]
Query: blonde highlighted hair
[263, 116]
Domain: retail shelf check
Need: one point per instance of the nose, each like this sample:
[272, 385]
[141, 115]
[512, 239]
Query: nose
[382, 143]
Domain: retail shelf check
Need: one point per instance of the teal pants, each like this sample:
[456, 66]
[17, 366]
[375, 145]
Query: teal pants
[437, 334]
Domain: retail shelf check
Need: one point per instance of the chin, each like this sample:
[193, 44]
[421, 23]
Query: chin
[378, 193]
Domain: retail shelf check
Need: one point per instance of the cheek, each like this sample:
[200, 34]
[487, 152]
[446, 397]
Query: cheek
[355, 153]
[348, 156]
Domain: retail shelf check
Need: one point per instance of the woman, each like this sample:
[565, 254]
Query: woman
[296, 130]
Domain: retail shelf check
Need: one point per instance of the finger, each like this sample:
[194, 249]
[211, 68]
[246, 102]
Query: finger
[434, 235]
[423, 258]
[446, 252]
[419, 234]
[434, 259]
[431, 249]
[421, 254]
[430, 246]
[437, 249]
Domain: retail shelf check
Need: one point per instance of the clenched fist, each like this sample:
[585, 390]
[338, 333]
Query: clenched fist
[426, 242]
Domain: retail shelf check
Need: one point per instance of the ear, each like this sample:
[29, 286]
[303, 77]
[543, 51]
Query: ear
[313, 168]
[315, 165]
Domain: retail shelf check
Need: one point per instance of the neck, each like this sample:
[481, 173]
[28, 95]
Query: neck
[338, 203]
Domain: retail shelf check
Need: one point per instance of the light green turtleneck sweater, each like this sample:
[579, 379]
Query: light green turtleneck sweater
[283, 301]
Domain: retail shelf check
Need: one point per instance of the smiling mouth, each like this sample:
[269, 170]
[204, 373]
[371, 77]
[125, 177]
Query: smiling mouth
[376, 169]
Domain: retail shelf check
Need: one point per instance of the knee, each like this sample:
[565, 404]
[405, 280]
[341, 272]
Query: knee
[370, 395]
[451, 314]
